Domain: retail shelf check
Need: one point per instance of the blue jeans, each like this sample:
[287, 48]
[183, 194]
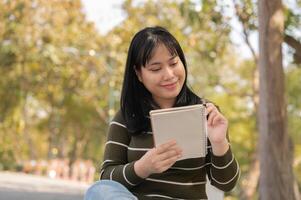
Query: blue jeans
[106, 189]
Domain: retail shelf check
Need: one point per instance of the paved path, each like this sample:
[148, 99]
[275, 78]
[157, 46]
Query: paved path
[19, 186]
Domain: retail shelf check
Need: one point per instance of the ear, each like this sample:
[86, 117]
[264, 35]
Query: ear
[138, 74]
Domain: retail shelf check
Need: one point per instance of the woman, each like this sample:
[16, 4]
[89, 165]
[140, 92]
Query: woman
[155, 77]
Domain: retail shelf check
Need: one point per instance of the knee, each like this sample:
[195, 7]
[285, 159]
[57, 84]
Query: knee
[94, 191]
[106, 189]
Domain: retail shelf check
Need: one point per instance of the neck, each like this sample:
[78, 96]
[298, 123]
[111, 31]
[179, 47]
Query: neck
[165, 103]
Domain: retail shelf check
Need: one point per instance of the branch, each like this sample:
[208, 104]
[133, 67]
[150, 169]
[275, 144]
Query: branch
[247, 40]
[292, 42]
[295, 44]
[245, 32]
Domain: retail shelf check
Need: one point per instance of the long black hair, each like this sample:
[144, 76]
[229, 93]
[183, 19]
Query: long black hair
[136, 101]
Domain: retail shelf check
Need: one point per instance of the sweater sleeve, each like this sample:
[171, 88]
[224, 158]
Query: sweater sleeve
[115, 165]
[223, 171]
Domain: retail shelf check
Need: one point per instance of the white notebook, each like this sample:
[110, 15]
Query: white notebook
[187, 125]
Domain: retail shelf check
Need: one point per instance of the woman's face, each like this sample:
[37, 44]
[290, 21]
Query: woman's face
[163, 76]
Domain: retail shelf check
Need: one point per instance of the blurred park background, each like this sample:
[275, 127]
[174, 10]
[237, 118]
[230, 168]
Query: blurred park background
[61, 78]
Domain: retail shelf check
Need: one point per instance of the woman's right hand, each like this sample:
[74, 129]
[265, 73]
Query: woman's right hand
[158, 159]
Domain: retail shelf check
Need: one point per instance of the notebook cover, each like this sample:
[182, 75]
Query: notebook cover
[187, 125]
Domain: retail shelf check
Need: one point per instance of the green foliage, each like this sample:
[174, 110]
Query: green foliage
[292, 17]
[51, 88]
[293, 87]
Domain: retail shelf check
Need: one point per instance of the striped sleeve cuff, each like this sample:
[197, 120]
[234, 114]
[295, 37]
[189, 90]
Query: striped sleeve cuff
[222, 161]
[130, 175]
[224, 171]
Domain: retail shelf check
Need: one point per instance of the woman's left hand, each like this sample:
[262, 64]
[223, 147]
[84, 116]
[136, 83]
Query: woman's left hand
[217, 126]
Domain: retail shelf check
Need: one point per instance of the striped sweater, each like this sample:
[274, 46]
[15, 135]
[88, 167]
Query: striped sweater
[186, 179]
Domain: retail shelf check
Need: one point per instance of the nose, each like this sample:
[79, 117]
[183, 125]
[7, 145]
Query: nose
[168, 73]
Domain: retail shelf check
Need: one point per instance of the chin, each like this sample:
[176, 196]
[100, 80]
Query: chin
[172, 95]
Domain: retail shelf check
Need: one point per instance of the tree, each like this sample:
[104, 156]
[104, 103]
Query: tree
[49, 54]
[276, 178]
[247, 15]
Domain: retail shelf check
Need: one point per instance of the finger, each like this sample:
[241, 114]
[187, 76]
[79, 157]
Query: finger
[168, 154]
[209, 109]
[178, 149]
[210, 105]
[215, 119]
[163, 147]
[211, 116]
[166, 164]
[218, 118]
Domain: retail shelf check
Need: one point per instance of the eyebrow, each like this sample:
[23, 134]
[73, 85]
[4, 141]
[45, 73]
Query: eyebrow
[158, 63]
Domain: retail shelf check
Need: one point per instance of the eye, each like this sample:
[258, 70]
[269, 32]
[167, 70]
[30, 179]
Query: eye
[174, 64]
[155, 69]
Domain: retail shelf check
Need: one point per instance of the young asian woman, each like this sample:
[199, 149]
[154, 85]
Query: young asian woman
[155, 77]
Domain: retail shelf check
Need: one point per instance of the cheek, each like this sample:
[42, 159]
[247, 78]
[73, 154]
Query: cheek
[150, 80]
[181, 72]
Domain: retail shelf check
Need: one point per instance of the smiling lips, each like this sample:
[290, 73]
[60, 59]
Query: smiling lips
[170, 86]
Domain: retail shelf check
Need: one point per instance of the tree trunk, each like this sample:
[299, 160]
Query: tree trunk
[26, 133]
[53, 127]
[276, 174]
